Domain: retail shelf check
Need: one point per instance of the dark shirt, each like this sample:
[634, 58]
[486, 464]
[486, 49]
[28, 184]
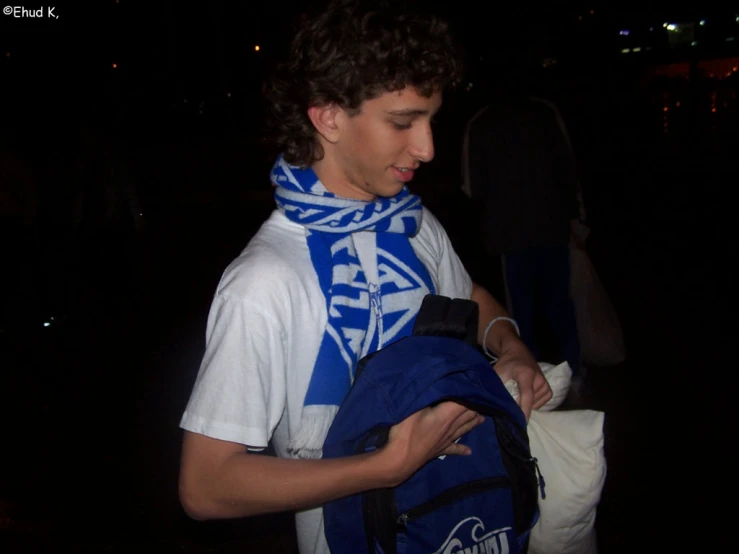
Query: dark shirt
[522, 173]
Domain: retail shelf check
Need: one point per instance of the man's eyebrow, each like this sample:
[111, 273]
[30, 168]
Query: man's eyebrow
[408, 112]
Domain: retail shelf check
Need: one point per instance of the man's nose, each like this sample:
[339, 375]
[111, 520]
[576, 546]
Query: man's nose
[422, 145]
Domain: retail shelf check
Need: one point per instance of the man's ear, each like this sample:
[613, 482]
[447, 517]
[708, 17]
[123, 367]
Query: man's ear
[324, 120]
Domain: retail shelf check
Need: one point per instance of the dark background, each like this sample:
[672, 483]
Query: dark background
[103, 310]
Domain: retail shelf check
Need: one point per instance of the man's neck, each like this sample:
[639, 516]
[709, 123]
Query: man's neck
[336, 182]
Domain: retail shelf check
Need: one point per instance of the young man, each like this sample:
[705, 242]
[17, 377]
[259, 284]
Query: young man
[338, 271]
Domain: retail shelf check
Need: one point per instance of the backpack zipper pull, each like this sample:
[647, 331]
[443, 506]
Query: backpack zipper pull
[540, 478]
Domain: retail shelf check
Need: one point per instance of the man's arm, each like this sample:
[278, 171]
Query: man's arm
[219, 479]
[515, 361]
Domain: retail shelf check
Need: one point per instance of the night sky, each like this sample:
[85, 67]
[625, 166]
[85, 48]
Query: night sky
[102, 322]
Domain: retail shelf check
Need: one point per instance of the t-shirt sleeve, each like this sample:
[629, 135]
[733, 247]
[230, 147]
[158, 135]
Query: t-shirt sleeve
[239, 394]
[452, 279]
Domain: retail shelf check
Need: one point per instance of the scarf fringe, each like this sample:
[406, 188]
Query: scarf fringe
[307, 442]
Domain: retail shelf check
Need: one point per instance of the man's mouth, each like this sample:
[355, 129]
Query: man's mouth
[403, 174]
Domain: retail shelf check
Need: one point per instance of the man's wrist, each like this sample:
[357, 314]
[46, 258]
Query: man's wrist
[383, 468]
[501, 337]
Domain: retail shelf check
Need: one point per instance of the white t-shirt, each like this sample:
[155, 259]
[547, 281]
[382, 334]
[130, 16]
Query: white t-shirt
[264, 331]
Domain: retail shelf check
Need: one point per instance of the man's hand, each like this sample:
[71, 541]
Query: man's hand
[427, 434]
[516, 362]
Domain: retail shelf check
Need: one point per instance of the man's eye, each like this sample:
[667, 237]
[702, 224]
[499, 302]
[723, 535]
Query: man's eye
[401, 126]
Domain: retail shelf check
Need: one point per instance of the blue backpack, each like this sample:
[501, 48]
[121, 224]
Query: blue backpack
[485, 503]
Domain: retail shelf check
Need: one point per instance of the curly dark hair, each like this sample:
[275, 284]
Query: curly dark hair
[354, 51]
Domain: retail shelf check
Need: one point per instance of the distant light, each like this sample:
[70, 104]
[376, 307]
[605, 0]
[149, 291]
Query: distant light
[702, 22]
[672, 27]
[625, 50]
[592, 12]
[115, 65]
[228, 94]
[651, 28]
[735, 68]
[624, 32]
[185, 100]
[694, 43]
[737, 19]
[713, 110]
[729, 39]
[677, 104]
[256, 48]
[637, 49]
[579, 18]
[664, 25]
[7, 54]
[47, 324]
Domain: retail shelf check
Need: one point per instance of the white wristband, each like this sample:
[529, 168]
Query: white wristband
[487, 329]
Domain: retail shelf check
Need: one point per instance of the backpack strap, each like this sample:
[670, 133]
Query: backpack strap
[448, 317]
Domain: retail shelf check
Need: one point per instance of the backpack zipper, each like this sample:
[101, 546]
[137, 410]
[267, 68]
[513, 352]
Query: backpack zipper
[531, 460]
[451, 495]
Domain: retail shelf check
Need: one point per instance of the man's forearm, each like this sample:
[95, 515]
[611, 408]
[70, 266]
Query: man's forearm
[503, 334]
[242, 484]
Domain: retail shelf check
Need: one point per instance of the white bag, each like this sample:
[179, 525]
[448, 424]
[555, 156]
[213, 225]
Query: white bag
[569, 448]
[599, 330]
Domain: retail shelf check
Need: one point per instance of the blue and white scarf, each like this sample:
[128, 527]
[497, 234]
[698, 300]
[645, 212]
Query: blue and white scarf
[362, 317]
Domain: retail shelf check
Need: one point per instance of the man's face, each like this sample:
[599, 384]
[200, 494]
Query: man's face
[377, 150]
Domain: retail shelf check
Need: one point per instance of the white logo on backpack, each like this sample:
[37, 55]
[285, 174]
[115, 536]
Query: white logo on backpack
[494, 542]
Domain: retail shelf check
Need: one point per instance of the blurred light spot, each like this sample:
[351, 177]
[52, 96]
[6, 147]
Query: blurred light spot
[677, 104]
[694, 43]
[672, 27]
[729, 39]
[47, 324]
[592, 12]
[702, 22]
[624, 32]
[637, 49]
[115, 65]
[651, 28]
[625, 50]
[256, 48]
[228, 94]
[665, 109]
